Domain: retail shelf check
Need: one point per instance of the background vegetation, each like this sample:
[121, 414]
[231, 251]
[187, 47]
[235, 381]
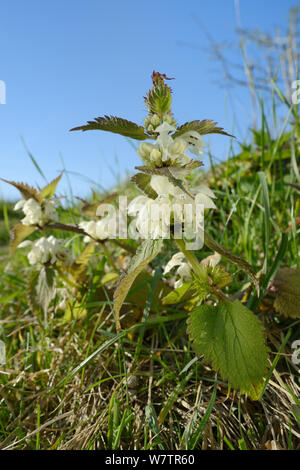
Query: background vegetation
[73, 383]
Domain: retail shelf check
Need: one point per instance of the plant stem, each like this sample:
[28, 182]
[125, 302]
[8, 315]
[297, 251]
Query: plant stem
[193, 260]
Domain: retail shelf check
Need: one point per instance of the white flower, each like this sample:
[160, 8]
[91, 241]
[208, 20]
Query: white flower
[35, 213]
[154, 216]
[211, 260]
[194, 141]
[166, 150]
[47, 250]
[169, 151]
[100, 229]
[184, 270]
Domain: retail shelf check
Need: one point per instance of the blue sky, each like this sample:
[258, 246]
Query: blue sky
[68, 61]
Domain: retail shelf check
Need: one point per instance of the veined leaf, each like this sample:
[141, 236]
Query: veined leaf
[18, 234]
[287, 288]
[115, 124]
[50, 188]
[169, 172]
[231, 337]
[143, 182]
[159, 99]
[26, 191]
[145, 253]
[41, 289]
[207, 126]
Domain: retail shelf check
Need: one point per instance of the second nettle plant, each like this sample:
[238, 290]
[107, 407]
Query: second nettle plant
[226, 332]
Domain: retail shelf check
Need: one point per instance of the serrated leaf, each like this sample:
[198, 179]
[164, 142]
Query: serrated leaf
[26, 191]
[41, 289]
[167, 171]
[207, 126]
[18, 234]
[231, 337]
[50, 188]
[116, 125]
[45, 288]
[180, 294]
[143, 183]
[145, 253]
[159, 99]
[287, 287]
[192, 164]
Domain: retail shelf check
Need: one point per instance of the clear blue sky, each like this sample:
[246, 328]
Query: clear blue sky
[68, 61]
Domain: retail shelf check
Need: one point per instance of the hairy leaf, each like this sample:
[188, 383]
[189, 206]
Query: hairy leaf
[115, 124]
[18, 234]
[143, 182]
[159, 99]
[41, 289]
[27, 192]
[145, 253]
[231, 337]
[207, 126]
[50, 188]
[287, 287]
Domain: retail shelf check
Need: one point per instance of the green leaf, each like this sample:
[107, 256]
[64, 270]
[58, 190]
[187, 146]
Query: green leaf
[287, 288]
[207, 126]
[145, 253]
[79, 268]
[169, 172]
[41, 289]
[49, 189]
[231, 337]
[109, 277]
[180, 294]
[116, 125]
[140, 289]
[18, 234]
[159, 99]
[143, 183]
[27, 192]
[74, 311]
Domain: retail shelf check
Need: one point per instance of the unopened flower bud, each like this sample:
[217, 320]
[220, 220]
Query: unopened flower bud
[178, 147]
[156, 157]
[155, 120]
[167, 118]
[144, 150]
